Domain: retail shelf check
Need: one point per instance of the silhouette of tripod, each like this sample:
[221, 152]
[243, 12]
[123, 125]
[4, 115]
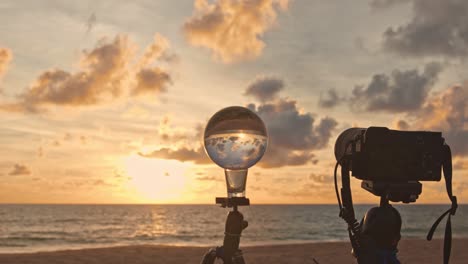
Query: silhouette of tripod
[229, 252]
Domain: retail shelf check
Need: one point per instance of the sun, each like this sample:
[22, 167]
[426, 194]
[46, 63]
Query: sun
[156, 180]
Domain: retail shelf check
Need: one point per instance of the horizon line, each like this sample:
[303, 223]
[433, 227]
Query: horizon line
[2, 203]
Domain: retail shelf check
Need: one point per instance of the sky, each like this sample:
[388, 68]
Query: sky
[106, 101]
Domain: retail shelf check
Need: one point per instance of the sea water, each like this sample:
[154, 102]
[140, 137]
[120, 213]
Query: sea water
[31, 228]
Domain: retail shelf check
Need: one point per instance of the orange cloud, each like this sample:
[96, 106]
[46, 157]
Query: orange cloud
[105, 73]
[5, 59]
[197, 156]
[320, 178]
[460, 164]
[151, 80]
[19, 169]
[159, 49]
[400, 124]
[172, 134]
[232, 29]
[101, 75]
[447, 111]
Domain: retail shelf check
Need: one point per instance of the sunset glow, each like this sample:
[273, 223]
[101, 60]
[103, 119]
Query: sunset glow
[156, 180]
[107, 102]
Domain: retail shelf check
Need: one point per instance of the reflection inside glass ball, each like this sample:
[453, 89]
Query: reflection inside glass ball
[236, 149]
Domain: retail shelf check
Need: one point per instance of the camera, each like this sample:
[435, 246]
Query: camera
[391, 162]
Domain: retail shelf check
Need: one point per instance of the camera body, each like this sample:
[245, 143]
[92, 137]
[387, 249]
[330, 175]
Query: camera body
[391, 162]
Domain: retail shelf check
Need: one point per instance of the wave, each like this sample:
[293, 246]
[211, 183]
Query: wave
[30, 228]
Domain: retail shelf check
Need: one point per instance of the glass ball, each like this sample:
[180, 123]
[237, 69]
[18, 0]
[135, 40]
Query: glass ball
[235, 138]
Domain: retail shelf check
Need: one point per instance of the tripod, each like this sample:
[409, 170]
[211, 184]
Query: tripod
[381, 226]
[379, 235]
[229, 252]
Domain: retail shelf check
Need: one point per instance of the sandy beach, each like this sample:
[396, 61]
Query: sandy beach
[411, 251]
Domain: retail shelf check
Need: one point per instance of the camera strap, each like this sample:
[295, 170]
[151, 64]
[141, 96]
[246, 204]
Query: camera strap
[447, 169]
[346, 207]
[345, 202]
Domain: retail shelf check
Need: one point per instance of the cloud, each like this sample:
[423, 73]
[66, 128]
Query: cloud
[460, 164]
[19, 169]
[447, 111]
[5, 59]
[170, 133]
[101, 182]
[179, 139]
[329, 99]
[91, 22]
[320, 178]
[40, 152]
[276, 157]
[265, 88]
[87, 184]
[151, 80]
[378, 4]
[105, 73]
[68, 136]
[437, 28]
[232, 29]
[399, 92]
[288, 127]
[102, 72]
[460, 187]
[197, 156]
[401, 125]
[293, 135]
[159, 49]
[209, 178]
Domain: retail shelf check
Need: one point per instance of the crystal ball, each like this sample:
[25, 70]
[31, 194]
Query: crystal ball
[235, 138]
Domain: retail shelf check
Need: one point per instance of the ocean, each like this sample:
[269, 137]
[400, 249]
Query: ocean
[32, 228]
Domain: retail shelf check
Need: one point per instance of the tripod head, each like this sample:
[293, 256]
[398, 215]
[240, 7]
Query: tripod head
[406, 192]
[232, 201]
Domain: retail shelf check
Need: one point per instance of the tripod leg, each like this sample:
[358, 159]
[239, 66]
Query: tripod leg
[209, 257]
[238, 258]
[229, 252]
[235, 223]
